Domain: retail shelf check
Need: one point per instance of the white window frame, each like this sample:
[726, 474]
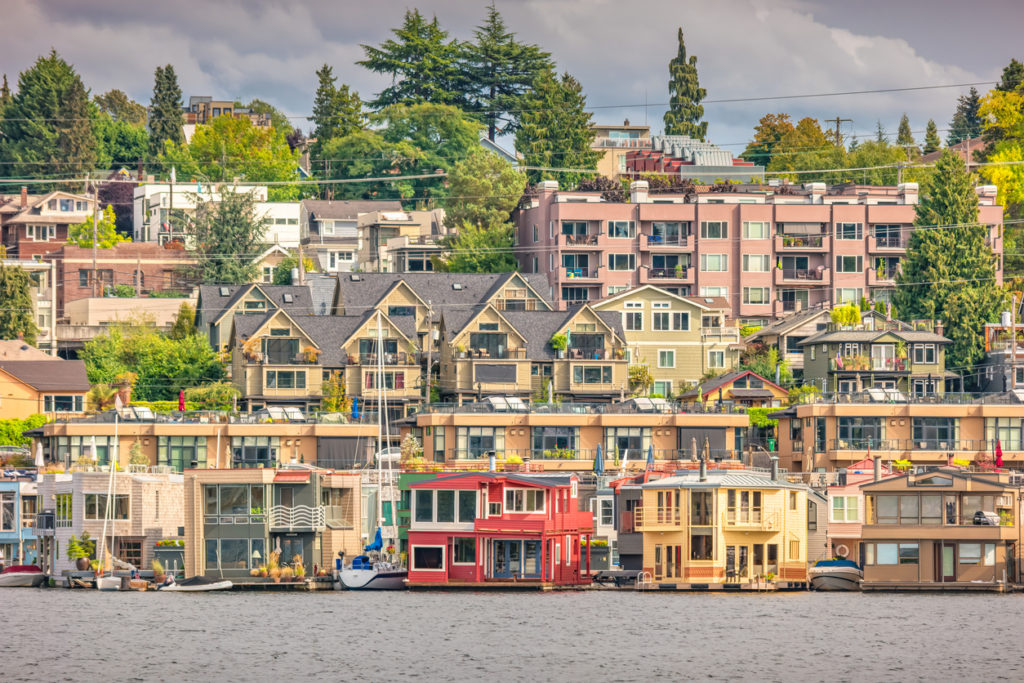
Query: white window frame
[630, 230]
[412, 557]
[712, 354]
[637, 315]
[846, 510]
[633, 304]
[671, 351]
[661, 304]
[765, 230]
[765, 300]
[721, 291]
[723, 263]
[762, 260]
[543, 500]
[723, 230]
[455, 554]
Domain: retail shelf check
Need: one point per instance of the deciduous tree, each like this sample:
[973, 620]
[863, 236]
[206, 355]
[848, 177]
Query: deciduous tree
[484, 189]
[106, 231]
[17, 314]
[119, 107]
[685, 95]
[767, 134]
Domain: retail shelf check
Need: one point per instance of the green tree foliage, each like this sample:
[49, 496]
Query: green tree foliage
[407, 140]
[165, 115]
[119, 107]
[479, 249]
[184, 323]
[1003, 113]
[214, 396]
[905, 138]
[484, 190]
[949, 272]
[228, 236]
[337, 112]
[5, 94]
[12, 430]
[283, 270]
[278, 120]
[556, 130]
[763, 360]
[334, 399]
[120, 143]
[106, 232]
[1012, 78]
[685, 95]
[768, 132]
[228, 148]
[48, 126]
[932, 142]
[806, 148]
[164, 365]
[871, 154]
[100, 397]
[17, 314]
[966, 123]
[499, 70]
[846, 316]
[423, 64]
[880, 134]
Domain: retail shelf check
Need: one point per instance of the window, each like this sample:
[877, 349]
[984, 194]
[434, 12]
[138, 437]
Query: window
[55, 403]
[83, 278]
[714, 263]
[716, 359]
[924, 354]
[524, 500]
[7, 511]
[424, 505]
[464, 550]
[574, 228]
[845, 509]
[1005, 430]
[401, 311]
[535, 239]
[41, 233]
[792, 500]
[467, 507]
[617, 289]
[96, 506]
[621, 229]
[553, 438]
[701, 544]
[592, 374]
[181, 452]
[661, 321]
[756, 263]
[935, 432]
[857, 432]
[606, 512]
[477, 442]
[428, 558]
[849, 295]
[681, 321]
[812, 516]
[794, 550]
[249, 451]
[633, 321]
[286, 379]
[849, 231]
[445, 507]
[755, 230]
[666, 359]
[715, 291]
[714, 230]
[756, 295]
[849, 264]
[622, 261]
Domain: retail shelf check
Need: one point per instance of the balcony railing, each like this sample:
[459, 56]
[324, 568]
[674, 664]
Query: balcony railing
[623, 143]
[665, 240]
[802, 273]
[589, 354]
[652, 517]
[581, 273]
[399, 358]
[669, 273]
[297, 517]
[890, 242]
[499, 354]
[802, 241]
[579, 240]
[739, 518]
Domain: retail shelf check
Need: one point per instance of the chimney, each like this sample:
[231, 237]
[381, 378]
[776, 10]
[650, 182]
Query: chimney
[24, 197]
[638, 191]
[295, 276]
[626, 122]
[938, 327]
[547, 186]
[878, 468]
[703, 469]
[775, 468]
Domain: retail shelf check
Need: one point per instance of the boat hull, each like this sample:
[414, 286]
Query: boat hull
[371, 579]
[22, 579]
[108, 583]
[835, 579]
[205, 588]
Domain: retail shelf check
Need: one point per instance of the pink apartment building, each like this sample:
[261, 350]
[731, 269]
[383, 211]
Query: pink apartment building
[771, 250]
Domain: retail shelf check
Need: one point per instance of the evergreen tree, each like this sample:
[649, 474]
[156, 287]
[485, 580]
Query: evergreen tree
[685, 95]
[767, 134]
[278, 119]
[228, 236]
[48, 127]
[423, 64]
[499, 71]
[106, 232]
[165, 115]
[120, 107]
[337, 112]
[966, 123]
[556, 130]
[931, 137]
[17, 315]
[5, 94]
[121, 143]
[1013, 76]
[949, 272]
[905, 138]
[880, 135]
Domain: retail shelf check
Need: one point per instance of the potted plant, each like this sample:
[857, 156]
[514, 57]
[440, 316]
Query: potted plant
[81, 550]
[679, 271]
[286, 574]
[558, 344]
[254, 572]
[263, 571]
[300, 572]
[311, 354]
[159, 575]
[620, 353]
[461, 350]
[275, 574]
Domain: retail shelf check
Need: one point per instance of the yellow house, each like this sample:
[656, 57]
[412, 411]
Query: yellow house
[50, 387]
[679, 338]
[723, 528]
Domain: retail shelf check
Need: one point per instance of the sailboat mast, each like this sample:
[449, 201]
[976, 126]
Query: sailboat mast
[381, 409]
[112, 463]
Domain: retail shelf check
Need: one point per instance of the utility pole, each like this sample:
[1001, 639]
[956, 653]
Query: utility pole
[170, 209]
[839, 139]
[95, 238]
[430, 347]
[1013, 341]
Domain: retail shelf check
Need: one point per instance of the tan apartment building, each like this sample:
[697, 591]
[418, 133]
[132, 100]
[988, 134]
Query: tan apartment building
[614, 143]
[379, 230]
[680, 339]
[769, 250]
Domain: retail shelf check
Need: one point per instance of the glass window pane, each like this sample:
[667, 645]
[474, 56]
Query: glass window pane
[211, 553]
[886, 553]
[234, 500]
[234, 553]
[467, 506]
[446, 506]
[425, 506]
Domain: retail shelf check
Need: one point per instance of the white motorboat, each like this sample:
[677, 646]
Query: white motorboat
[108, 583]
[197, 584]
[365, 574]
[22, 575]
[835, 575]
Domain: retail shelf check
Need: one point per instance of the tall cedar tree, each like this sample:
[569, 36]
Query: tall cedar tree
[423, 64]
[120, 107]
[685, 95]
[17, 315]
[5, 94]
[556, 130]
[932, 142]
[500, 70]
[165, 116]
[767, 134]
[1013, 76]
[337, 112]
[228, 236]
[905, 138]
[966, 123]
[48, 127]
[949, 272]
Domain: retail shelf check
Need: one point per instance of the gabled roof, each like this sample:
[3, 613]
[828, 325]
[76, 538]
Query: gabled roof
[980, 478]
[273, 248]
[790, 322]
[717, 479]
[537, 327]
[215, 305]
[721, 381]
[29, 214]
[869, 336]
[465, 321]
[702, 302]
[347, 209]
[16, 349]
[46, 375]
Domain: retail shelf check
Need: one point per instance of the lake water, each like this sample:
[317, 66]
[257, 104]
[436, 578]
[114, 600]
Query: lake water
[595, 636]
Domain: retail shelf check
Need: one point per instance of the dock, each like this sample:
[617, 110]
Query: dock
[938, 587]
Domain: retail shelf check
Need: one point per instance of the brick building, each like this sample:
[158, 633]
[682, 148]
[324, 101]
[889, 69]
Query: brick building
[34, 225]
[770, 250]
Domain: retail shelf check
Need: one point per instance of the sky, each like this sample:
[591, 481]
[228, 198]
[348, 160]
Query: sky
[619, 51]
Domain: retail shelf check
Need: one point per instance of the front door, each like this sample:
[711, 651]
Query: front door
[758, 566]
[947, 562]
[508, 559]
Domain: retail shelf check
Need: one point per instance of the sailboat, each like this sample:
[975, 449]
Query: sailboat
[110, 582]
[374, 570]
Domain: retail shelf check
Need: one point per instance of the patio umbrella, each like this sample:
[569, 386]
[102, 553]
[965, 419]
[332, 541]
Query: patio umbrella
[598, 462]
[39, 454]
[355, 407]
[650, 458]
[181, 400]
[95, 458]
[693, 443]
[999, 453]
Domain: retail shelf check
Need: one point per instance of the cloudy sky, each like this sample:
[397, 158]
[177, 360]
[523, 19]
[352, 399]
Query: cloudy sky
[619, 50]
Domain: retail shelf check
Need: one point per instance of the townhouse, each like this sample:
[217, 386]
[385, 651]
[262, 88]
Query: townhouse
[329, 230]
[19, 501]
[768, 249]
[34, 225]
[50, 386]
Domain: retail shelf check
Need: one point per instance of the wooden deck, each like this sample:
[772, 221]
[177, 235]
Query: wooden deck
[933, 587]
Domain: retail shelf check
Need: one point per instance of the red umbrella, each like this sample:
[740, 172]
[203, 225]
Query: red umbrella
[999, 453]
[181, 400]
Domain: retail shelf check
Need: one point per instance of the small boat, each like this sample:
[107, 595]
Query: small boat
[366, 574]
[22, 575]
[196, 584]
[108, 583]
[835, 575]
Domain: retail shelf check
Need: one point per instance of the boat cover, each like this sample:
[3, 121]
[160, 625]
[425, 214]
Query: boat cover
[837, 563]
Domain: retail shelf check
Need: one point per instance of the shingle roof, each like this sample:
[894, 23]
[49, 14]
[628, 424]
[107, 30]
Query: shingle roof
[47, 375]
[214, 305]
[789, 322]
[723, 380]
[868, 336]
[347, 209]
[537, 327]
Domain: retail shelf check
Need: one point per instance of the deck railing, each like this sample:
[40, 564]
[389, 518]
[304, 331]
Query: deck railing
[296, 517]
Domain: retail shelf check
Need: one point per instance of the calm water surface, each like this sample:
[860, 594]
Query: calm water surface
[52, 635]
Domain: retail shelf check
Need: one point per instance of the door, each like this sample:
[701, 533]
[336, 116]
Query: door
[743, 570]
[502, 570]
[947, 562]
[285, 496]
[758, 565]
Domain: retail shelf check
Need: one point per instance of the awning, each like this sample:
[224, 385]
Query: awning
[291, 477]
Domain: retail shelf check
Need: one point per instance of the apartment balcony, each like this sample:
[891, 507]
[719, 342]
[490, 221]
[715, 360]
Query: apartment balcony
[297, 518]
[666, 276]
[581, 274]
[740, 519]
[803, 243]
[400, 358]
[882, 277]
[863, 363]
[652, 518]
[662, 243]
[485, 354]
[622, 143]
[811, 277]
[588, 241]
[888, 244]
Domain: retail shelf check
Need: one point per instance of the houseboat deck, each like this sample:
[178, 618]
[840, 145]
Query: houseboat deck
[947, 587]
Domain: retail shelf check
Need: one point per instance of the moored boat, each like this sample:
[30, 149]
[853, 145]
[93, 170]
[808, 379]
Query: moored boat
[22, 575]
[366, 574]
[835, 575]
[197, 584]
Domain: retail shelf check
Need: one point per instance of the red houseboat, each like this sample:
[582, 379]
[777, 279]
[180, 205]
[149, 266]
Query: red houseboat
[499, 528]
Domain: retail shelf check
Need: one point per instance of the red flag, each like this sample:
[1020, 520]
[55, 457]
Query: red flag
[999, 453]
[181, 400]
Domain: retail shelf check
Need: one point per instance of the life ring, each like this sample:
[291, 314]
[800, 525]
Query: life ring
[842, 551]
